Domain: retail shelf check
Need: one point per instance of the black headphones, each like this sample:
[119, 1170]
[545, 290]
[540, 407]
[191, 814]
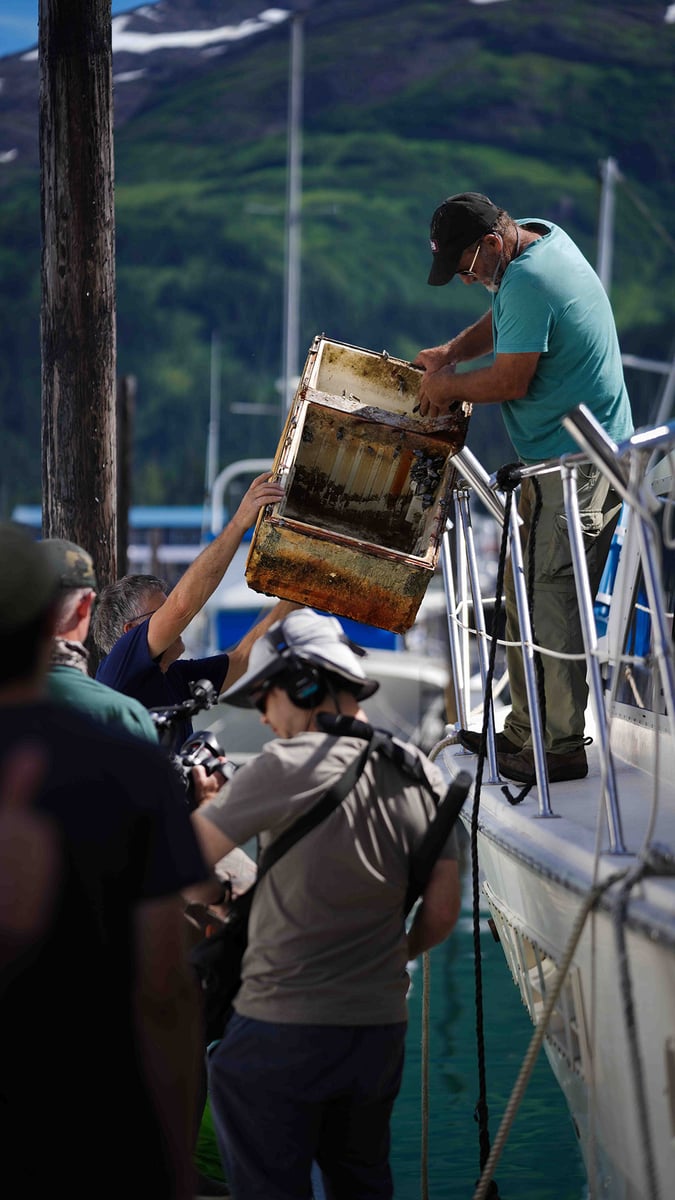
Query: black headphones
[304, 683]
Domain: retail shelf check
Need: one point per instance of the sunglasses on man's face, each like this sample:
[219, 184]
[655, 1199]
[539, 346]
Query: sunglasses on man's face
[259, 698]
[473, 262]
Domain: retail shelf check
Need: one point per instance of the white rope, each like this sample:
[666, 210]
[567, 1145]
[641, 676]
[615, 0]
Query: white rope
[632, 659]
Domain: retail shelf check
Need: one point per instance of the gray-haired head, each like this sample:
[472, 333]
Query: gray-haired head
[120, 603]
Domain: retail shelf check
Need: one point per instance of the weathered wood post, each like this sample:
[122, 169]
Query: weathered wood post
[79, 474]
[126, 407]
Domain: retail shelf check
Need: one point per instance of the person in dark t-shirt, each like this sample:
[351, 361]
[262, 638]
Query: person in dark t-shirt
[99, 1016]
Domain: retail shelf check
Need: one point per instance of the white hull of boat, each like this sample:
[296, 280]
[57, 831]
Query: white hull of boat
[536, 873]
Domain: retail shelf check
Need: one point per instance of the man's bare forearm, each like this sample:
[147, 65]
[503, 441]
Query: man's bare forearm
[203, 575]
[238, 659]
[436, 915]
[507, 378]
[473, 342]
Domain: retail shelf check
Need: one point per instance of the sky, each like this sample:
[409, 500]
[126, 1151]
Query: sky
[18, 22]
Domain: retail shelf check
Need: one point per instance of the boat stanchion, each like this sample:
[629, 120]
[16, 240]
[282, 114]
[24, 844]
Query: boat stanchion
[589, 633]
[524, 621]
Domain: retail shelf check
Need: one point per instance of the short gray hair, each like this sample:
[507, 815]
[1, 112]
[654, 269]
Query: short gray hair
[120, 603]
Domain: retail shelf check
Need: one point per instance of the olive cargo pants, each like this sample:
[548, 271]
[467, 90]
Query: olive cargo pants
[557, 624]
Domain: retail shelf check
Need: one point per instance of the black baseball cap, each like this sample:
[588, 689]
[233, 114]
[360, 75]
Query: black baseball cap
[457, 222]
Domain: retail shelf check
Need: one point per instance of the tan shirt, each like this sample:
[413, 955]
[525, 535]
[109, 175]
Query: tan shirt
[327, 934]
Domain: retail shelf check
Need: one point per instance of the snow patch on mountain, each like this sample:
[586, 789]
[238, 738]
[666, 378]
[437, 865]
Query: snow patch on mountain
[130, 41]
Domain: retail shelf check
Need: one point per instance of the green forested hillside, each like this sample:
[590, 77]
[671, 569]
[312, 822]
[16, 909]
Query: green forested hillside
[404, 104]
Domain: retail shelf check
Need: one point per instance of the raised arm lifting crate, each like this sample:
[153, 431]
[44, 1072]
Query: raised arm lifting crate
[358, 531]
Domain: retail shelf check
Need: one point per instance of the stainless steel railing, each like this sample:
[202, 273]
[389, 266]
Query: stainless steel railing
[625, 466]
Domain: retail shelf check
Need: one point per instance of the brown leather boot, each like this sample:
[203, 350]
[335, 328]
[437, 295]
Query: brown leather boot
[470, 740]
[560, 766]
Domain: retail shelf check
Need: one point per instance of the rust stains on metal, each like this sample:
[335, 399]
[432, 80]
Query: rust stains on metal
[342, 579]
[352, 478]
[358, 531]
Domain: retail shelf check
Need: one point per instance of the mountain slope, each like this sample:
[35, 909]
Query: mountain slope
[404, 103]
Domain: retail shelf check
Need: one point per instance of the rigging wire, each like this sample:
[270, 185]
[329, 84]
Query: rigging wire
[645, 212]
[481, 1111]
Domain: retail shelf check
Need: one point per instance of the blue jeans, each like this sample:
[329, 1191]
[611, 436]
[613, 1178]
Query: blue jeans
[284, 1096]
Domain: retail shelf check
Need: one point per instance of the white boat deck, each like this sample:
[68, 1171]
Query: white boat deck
[565, 845]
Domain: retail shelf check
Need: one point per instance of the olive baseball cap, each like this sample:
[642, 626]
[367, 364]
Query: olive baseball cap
[311, 637]
[457, 223]
[74, 566]
[29, 583]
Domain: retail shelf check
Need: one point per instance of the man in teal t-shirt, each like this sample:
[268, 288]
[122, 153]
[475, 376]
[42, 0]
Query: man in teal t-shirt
[554, 344]
[68, 680]
[551, 303]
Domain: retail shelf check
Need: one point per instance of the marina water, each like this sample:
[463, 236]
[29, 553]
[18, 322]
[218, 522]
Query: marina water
[541, 1159]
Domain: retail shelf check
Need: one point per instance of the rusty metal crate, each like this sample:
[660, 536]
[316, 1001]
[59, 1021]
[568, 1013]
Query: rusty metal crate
[358, 531]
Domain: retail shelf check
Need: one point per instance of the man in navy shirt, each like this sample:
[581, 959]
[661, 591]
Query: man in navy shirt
[138, 627]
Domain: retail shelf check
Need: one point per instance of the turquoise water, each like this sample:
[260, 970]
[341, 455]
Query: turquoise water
[541, 1159]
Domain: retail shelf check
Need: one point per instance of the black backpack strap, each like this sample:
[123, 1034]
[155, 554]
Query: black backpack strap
[425, 854]
[398, 752]
[328, 802]
[448, 809]
[340, 725]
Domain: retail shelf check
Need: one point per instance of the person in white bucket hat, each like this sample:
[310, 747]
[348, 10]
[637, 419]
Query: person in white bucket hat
[310, 1062]
[308, 650]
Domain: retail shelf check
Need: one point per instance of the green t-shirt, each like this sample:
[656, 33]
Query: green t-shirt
[552, 302]
[67, 685]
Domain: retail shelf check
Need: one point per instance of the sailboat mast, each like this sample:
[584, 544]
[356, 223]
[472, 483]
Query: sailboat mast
[213, 439]
[609, 174]
[289, 370]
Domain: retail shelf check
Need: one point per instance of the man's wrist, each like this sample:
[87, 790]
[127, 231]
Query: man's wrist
[237, 525]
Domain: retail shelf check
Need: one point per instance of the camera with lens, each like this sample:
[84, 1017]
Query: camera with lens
[201, 749]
